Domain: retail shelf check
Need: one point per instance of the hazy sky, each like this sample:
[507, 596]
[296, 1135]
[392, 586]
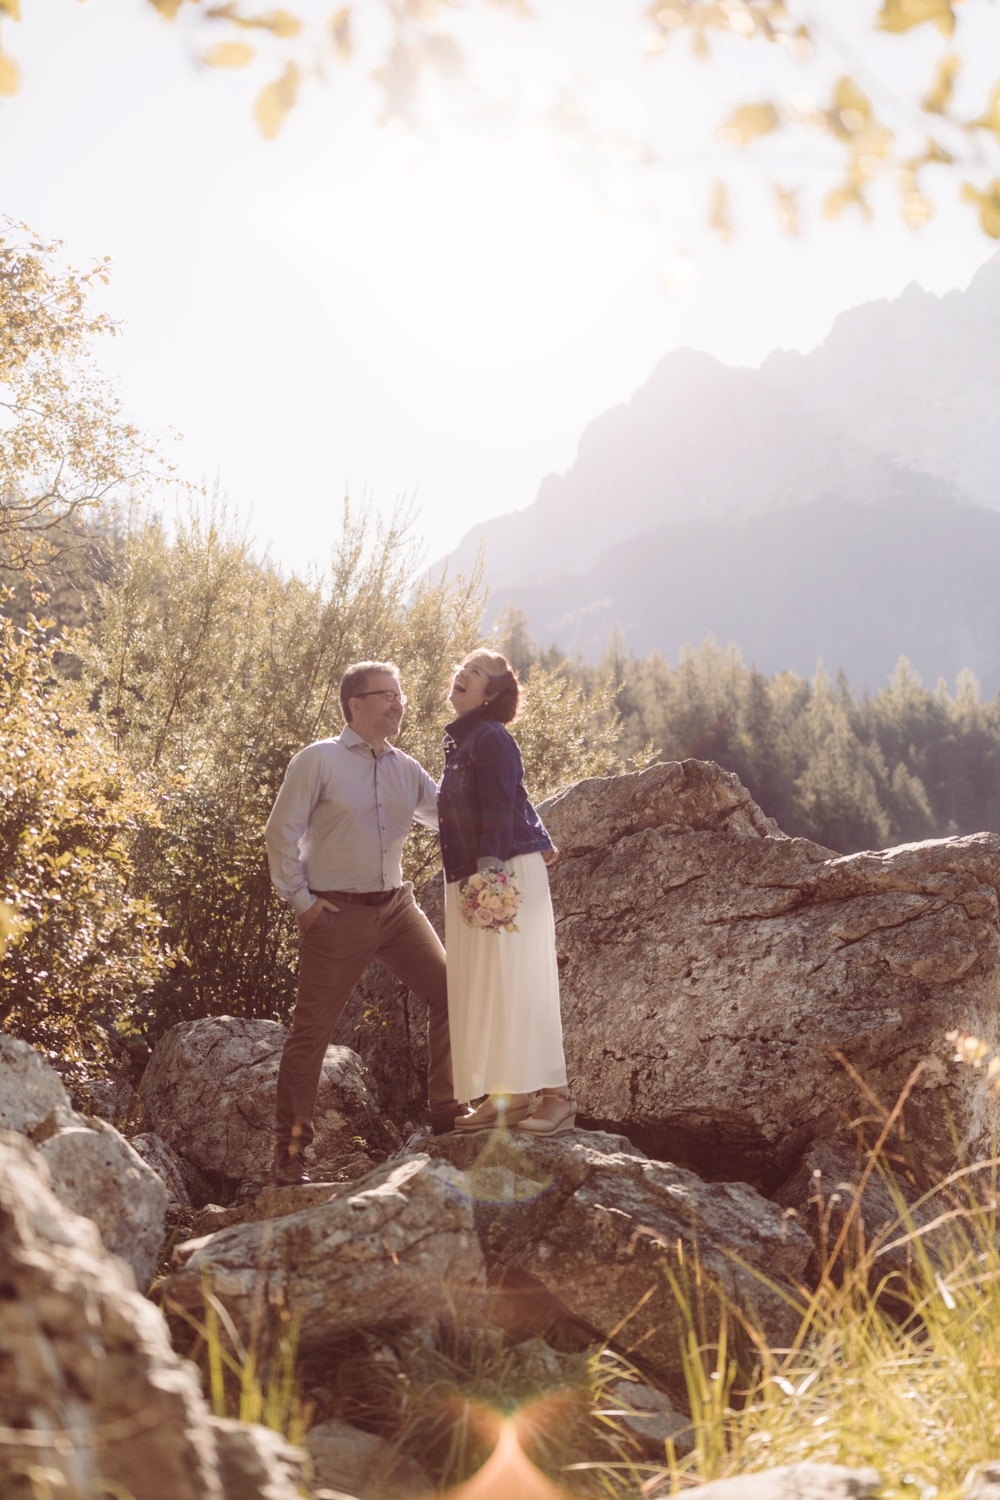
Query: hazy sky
[434, 312]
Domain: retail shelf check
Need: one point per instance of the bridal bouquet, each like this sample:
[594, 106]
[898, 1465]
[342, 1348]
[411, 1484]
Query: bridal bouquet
[489, 901]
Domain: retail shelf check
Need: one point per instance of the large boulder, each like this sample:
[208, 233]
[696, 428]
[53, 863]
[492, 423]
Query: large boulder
[209, 1093]
[30, 1089]
[724, 988]
[729, 993]
[95, 1172]
[90, 1388]
[399, 1246]
[580, 1231]
[582, 1227]
[92, 1168]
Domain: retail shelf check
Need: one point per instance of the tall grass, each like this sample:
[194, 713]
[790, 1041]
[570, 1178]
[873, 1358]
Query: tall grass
[253, 1381]
[896, 1370]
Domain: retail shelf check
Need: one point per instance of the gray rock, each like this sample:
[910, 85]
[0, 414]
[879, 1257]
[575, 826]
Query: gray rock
[649, 1418]
[209, 1092]
[254, 1461]
[82, 1352]
[397, 1247]
[94, 1171]
[719, 979]
[596, 1232]
[890, 1216]
[579, 1232]
[272, 1203]
[166, 1164]
[111, 1099]
[346, 1459]
[30, 1089]
[794, 1482]
[983, 1483]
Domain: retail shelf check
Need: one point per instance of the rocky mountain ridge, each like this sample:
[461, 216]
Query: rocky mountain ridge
[897, 407]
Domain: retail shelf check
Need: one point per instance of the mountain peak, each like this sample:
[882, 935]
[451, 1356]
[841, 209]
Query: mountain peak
[905, 387]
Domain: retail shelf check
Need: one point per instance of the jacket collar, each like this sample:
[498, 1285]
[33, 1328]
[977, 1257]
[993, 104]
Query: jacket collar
[460, 729]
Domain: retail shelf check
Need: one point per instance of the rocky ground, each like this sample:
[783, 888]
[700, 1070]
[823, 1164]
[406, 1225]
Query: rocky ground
[742, 1011]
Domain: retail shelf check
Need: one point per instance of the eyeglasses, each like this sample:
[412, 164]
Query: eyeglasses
[386, 693]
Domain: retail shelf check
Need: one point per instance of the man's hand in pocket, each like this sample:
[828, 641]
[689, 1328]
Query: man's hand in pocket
[308, 917]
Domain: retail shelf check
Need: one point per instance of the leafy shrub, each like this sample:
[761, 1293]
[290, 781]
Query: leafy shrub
[79, 947]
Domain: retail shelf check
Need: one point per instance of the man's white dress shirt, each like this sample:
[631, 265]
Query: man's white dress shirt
[341, 816]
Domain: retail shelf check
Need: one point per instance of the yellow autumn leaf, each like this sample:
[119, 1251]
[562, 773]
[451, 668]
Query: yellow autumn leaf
[934, 152]
[274, 102]
[987, 203]
[228, 55]
[938, 96]
[918, 210]
[167, 8]
[786, 210]
[340, 29]
[10, 926]
[718, 212]
[443, 53]
[851, 103]
[903, 15]
[10, 74]
[748, 122]
[847, 196]
[990, 119]
[10, 8]
[280, 22]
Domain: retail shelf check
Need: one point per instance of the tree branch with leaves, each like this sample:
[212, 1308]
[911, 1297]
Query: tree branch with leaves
[66, 447]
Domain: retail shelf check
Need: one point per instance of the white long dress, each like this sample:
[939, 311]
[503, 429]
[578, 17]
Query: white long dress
[503, 994]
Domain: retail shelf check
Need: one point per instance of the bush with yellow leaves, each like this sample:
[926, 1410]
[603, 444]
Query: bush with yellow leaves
[77, 950]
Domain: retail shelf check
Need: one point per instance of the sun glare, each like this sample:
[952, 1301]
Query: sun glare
[453, 272]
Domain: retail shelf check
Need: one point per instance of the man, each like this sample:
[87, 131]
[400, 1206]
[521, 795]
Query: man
[334, 842]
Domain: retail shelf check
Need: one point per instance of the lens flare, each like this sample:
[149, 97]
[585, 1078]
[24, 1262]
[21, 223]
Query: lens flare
[508, 1472]
[502, 1173]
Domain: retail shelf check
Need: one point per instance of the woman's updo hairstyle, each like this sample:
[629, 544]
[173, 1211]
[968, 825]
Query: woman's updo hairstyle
[504, 690]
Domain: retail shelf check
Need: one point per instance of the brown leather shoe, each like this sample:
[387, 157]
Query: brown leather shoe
[443, 1120]
[289, 1169]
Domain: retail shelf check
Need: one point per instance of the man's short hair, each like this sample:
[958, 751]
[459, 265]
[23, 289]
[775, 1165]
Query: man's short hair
[355, 681]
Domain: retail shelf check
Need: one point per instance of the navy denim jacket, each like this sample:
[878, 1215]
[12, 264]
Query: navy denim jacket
[483, 807]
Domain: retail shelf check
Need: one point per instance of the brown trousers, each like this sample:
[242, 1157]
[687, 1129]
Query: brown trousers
[333, 955]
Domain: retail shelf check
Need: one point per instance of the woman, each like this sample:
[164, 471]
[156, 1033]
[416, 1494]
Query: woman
[503, 987]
